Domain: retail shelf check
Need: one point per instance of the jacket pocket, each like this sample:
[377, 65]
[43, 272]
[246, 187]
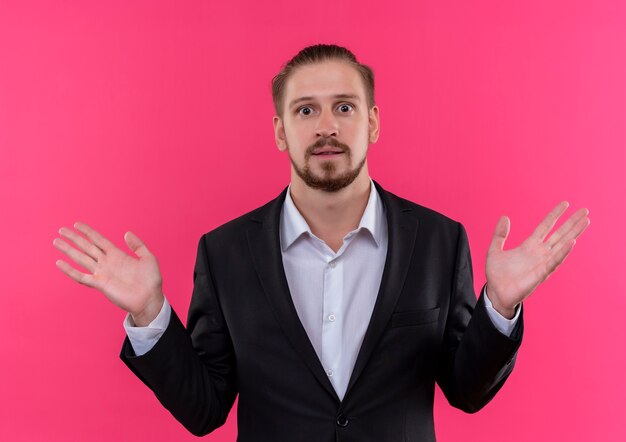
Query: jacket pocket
[414, 317]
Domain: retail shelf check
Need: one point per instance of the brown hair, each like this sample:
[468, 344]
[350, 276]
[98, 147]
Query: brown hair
[316, 54]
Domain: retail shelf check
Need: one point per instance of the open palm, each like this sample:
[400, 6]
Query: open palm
[133, 284]
[512, 275]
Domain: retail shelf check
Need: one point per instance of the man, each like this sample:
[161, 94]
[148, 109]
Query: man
[333, 309]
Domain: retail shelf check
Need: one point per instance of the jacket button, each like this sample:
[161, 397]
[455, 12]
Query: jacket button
[342, 421]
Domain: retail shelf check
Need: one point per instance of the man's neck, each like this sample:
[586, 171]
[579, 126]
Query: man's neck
[332, 215]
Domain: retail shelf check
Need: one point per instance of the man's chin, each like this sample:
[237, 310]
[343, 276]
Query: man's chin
[329, 178]
[329, 183]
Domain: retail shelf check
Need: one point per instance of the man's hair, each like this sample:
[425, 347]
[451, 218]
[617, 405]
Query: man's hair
[317, 54]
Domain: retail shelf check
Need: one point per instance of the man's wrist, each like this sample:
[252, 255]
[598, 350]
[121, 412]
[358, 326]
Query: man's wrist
[151, 311]
[506, 312]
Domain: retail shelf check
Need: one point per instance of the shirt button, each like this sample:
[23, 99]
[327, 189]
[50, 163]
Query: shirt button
[332, 264]
[331, 318]
[329, 372]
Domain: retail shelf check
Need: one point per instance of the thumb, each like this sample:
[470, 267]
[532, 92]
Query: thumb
[136, 245]
[500, 235]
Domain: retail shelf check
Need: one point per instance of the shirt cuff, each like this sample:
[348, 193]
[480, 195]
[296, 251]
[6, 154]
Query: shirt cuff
[143, 339]
[504, 325]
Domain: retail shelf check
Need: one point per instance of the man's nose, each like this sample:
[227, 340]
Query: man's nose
[327, 124]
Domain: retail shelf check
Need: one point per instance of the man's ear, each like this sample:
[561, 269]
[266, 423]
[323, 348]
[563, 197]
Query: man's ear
[374, 124]
[279, 133]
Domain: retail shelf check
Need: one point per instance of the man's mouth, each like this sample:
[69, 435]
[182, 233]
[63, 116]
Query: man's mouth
[328, 148]
[327, 151]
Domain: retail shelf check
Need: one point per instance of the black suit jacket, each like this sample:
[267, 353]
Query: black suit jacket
[244, 337]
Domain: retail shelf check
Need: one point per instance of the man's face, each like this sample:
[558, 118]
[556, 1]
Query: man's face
[326, 126]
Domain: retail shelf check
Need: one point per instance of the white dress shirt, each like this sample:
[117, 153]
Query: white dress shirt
[333, 292]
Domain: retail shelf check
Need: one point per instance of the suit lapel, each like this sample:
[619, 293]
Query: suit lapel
[264, 241]
[402, 231]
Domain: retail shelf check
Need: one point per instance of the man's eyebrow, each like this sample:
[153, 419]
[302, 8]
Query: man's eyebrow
[337, 96]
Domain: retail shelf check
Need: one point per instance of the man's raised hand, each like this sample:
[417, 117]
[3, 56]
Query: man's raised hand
[512, 275]
[133, 284]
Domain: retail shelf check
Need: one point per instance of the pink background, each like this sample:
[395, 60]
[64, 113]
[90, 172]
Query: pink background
[156, 117]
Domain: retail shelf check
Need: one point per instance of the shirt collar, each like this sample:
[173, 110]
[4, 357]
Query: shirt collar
[293, 224]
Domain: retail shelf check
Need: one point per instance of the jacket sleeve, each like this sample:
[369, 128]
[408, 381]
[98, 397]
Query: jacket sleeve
[192, 371]
[476, 358]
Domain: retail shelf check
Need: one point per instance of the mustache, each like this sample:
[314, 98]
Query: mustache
[327, 141]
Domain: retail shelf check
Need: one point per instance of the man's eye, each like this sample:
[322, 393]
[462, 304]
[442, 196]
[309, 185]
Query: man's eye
[345, 108]
[305, 110]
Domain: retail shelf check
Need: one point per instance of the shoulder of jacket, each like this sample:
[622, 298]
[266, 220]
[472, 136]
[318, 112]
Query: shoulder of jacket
[423, 213]
[238, 225]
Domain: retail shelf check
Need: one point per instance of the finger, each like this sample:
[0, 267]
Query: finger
[550, 220]
[575, 231]
[100, 241]
[580, 227]
[500, 235]
[81, 243]
[78, 257]
[559, 254]
[571, 229]
[81, 278]
[136, 245]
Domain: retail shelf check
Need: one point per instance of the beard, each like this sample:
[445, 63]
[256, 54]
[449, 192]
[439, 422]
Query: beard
[328, 182]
